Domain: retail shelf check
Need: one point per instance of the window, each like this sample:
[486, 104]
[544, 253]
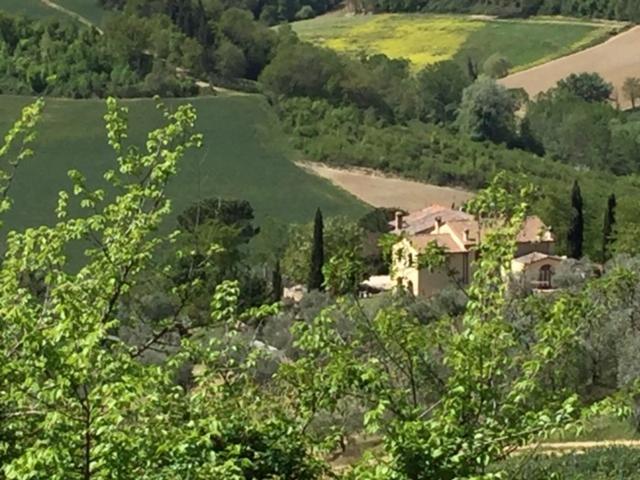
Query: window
[544, 276]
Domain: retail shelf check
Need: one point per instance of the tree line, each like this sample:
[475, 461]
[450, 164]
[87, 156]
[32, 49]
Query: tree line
[610, 9]
[134, 58]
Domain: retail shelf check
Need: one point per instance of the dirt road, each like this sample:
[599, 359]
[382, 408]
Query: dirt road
[383, 191]
[615, 59]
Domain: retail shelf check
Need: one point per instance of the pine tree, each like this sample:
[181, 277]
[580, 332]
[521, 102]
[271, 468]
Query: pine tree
[608, 227]
[575, 235]
[316, 277]
[276, 283]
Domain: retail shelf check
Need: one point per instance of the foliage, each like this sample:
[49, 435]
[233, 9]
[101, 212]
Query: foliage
[591, 87]
[595, 464]
[76, 400]
[316, 261]
[608, 227]
[575, 234]
[560, 122]
[344, 272]
[496, 66]
[440, 88]
[631, 90]
[487, 112]
[62, 58]
[340, 234]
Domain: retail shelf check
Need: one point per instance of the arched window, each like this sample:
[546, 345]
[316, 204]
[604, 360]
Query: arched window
[544, 276]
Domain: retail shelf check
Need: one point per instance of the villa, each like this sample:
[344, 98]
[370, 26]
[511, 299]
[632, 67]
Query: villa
[459, 234]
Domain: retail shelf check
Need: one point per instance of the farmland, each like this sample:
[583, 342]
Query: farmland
[615, 60]
[244, 156]
[387, 191]
[426, 39]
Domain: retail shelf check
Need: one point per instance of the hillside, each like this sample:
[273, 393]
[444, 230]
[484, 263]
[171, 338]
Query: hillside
[426, 39]
[244, 157]
[615, 60]
[32, 8]
[88, 9]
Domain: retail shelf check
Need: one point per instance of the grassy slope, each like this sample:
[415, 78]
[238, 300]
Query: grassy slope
[425, 39]
[33, 8]
[244, 157]
[87, 8]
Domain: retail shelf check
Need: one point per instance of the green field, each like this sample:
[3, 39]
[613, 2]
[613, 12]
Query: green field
[426, 39]
[35, 8]
[87, 8]
[32, 8]
[244, 156]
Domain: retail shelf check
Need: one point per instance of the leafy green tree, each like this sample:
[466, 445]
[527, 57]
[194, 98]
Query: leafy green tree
[575, 234]
[305, 13]
[339, 233]
[496, 66]
[344, 272]
[440, 88]
[591, 87]
[487, 112]
[230, 60]
[78, 400]
[608, 228]
[631, 90]
[316, 276]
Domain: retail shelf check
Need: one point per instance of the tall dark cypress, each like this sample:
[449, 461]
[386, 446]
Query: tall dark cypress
[575, 235]
[607, 228]
[316, 277]
[276, 283]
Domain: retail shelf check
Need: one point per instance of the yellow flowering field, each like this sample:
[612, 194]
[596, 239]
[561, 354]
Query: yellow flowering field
[425, 39]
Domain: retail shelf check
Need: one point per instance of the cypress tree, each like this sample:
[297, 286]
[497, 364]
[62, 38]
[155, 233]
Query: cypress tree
[276, 283]
[607, 228]
[316, 278]
[575, 235]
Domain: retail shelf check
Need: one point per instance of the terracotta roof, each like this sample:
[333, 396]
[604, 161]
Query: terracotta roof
[423, 221]
[445, 241]
[534, 257]
[534, 230]
[458, 227]
[420, 226]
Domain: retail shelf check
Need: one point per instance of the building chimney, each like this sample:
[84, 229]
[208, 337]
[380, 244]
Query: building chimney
[399, 220]
[466, 235]
[438, 224]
